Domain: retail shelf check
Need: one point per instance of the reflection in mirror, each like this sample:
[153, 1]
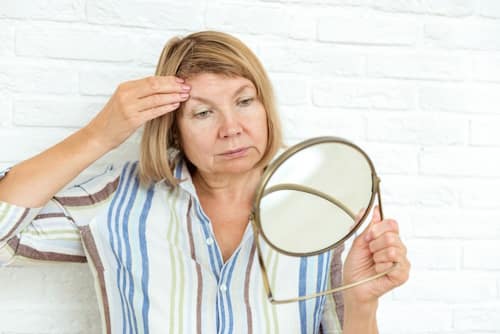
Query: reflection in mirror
[299, 222]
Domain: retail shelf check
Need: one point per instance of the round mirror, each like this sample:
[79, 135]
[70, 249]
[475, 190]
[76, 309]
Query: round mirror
[314, 196]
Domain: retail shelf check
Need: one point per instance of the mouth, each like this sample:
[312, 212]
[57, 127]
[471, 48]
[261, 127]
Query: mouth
[235, 153]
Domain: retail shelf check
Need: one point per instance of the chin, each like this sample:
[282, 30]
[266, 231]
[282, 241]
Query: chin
[238, 166]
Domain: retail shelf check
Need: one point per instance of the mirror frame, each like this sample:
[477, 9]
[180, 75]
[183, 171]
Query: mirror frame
[257, 226]
[271, 169]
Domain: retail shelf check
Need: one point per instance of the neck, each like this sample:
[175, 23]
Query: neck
[239, 187]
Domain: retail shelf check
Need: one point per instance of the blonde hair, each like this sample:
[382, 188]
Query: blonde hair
[203, 52]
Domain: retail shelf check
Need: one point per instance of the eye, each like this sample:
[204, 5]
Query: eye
[203, 114]
[245, 102]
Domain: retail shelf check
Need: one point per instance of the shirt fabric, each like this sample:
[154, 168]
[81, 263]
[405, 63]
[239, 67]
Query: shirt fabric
[156, 263]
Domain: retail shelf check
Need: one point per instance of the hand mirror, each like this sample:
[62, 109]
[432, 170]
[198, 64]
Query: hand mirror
[311, 199]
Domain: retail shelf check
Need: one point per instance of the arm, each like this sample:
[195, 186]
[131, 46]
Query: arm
[32, 184]
[71, 156]
[132, 104]
[373, 251]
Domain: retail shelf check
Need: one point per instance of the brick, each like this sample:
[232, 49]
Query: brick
[466, 36]
[453, 8]
[457, 161]
[30, 78]
[482, 256]
[367, 31]
[418, 129]
[53, 10]
[318, 60]
[448, 287]
[483, 67]
[345, 3]
[435, 316]
[151, 14]
[306, 122]
[434, 254]
[418, 191]
[485, 131]
[231, 17]
[26, 142]
[151, 46]
[359, 94]
[5, 110]
[302, 24]
[476, 98]
[489, 8]
[482, 318]
[90, 44]
[105, 81]
[415, 66]
[460, 224]
[7, 37]
[393, 158]
[63, 112]
[480, 193]
[290, 89]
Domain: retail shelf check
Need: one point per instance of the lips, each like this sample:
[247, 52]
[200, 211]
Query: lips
[236, 152]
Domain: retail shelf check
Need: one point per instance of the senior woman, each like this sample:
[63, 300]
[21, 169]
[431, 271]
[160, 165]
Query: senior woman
[168, 237]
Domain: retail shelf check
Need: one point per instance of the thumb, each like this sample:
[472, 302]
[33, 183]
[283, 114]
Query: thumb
[376, 216]
[366, 235]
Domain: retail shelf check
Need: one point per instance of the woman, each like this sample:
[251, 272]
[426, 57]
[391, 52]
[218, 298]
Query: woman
[167, 237]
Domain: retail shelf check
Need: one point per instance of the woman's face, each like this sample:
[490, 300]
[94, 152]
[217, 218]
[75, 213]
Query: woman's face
[223, 126]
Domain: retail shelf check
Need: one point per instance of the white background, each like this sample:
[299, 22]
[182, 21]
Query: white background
[416, 83]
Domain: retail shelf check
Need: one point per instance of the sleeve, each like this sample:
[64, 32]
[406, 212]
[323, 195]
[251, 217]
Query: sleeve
[52, 232]
[333, 310]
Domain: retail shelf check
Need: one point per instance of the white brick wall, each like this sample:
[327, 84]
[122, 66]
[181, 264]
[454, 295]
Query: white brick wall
[416, 83]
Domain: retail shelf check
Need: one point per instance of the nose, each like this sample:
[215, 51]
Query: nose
[230, 127]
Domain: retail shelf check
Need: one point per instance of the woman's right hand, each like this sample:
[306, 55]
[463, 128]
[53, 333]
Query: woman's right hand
[133, 104]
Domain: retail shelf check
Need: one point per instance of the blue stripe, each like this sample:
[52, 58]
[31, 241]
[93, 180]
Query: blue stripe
[302, 292]
[145, 259]
[120, 269]
[228, 296]
[324, 285]
[215, 250]
[211, 254]
[111, 232]
[178, 170]
[128, 279]
[217, 316]
[319, 279]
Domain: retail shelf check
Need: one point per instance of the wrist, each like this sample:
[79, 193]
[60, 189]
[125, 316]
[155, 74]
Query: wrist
[93, 141]
[360, 317]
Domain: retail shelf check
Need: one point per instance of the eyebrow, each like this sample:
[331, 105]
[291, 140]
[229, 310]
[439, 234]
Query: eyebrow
[204, 100]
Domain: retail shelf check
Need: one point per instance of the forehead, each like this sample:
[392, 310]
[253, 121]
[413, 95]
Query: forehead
[216, 83]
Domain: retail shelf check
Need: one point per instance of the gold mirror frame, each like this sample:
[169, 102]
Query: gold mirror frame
[262, 191]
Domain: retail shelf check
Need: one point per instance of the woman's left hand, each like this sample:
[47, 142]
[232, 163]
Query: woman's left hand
[375, 251]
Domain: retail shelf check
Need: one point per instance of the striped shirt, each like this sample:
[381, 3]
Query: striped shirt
[156, 263]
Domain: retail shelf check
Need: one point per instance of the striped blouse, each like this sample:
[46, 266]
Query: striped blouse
[156, 263]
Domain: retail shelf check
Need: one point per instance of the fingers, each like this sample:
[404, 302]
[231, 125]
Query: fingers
[154, 85]
[152, 113]
[152, 96]
[159, 100]
[378, 228]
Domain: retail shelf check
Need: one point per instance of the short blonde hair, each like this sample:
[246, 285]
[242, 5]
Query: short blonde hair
[203, 52]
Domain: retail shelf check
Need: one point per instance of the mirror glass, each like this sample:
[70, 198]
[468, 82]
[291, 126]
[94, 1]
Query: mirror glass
[315, 198]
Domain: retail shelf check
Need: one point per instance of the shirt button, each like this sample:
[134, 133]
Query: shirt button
[223, 287]
[210, 240]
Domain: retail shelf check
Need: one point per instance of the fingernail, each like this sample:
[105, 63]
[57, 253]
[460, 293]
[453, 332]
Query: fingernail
[179, 80]
[185, 87]
[184, 95]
